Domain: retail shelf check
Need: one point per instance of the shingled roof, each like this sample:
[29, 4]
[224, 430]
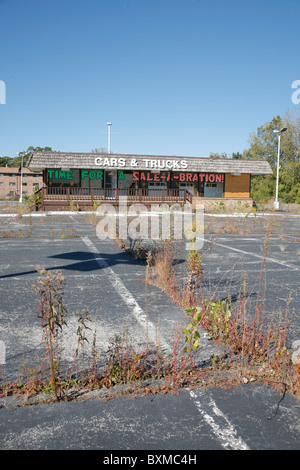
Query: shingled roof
[41, 160]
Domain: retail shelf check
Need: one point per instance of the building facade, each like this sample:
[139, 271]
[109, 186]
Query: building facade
[10, 182]
[85, 179]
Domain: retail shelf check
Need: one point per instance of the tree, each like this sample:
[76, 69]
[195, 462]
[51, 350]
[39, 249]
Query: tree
[237, 155]
[217, 155]
[16, 161]
[101, 150]
[263, 142]
[264, 145]
[6, 161]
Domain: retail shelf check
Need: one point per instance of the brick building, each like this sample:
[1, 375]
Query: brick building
[10, 182]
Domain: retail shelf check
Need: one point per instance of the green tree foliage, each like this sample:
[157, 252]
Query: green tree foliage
[16, 161]
[218, 155]
[264, 145]
[237, 155]
[99, 150]
[6, 161]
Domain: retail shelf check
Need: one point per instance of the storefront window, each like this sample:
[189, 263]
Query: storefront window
[196, 183]
[213, 189]
[159, 181]
[91, 179]
[110, 179]
[125, 180]
[59, 178]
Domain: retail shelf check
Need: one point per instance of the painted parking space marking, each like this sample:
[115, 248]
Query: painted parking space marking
[271, 260]
[125, 295]
[219, 423]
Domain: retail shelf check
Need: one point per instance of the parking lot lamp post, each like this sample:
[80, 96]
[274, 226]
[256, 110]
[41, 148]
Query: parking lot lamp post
[21, 189]
[108, 124]
[276, 203]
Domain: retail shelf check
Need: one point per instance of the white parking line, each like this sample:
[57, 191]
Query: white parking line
[271, 260]
[125, 295]
[219, 423]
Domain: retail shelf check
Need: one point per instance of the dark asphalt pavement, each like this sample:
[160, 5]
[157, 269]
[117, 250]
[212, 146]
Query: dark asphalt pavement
[109, 283]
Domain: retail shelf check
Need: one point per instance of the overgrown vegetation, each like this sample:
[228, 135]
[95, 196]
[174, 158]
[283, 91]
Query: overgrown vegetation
[251, 343]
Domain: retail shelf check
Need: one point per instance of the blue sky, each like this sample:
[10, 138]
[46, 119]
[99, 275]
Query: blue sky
[175, 77]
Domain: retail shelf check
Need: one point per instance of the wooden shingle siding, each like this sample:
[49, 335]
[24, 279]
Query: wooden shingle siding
[41, 160]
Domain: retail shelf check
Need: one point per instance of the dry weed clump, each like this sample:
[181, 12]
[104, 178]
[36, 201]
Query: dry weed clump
[124, 365]
[162, 272]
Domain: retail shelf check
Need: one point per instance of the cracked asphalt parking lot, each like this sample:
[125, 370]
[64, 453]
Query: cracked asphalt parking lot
[109, 283]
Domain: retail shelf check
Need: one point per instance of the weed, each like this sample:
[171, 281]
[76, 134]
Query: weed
[51, 311]
[125, 365]
[191, 333]
[195, 270]
[73, 206]
[83, 318]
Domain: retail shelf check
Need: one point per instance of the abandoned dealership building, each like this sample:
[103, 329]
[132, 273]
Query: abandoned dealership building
[84, 180]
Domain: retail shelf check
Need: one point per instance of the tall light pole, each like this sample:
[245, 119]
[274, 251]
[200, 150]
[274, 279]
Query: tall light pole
[108, 124]
[276, 203]
[21, 189]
